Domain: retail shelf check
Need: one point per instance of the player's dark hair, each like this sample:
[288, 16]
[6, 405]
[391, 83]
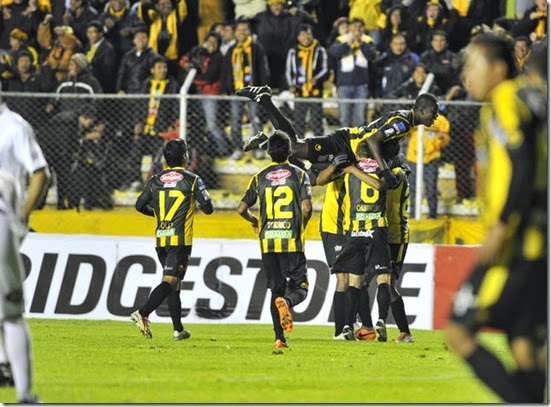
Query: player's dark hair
[363, 150]
[279, 146]
[426, 100]
[497, 49]
[174, 152]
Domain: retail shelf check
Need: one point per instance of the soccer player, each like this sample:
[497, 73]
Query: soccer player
[388, 130]
[171, 196]
[507, 288]
[284, 195]
[366, 249]
[20, 156]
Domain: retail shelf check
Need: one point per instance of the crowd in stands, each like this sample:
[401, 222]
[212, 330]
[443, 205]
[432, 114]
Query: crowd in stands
[365, 48]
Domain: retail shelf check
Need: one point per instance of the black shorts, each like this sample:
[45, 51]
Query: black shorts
[280, 266]
[364, 254]
[332, 246]
[323, 149]
[512, 298]
[397, 255]
[174, 260]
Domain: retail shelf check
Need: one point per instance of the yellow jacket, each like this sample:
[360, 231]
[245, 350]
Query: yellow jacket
[435, 138]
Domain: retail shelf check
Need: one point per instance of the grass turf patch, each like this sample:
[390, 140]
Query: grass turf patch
[79, 361]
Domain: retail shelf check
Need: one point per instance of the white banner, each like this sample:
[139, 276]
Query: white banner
[104, 277]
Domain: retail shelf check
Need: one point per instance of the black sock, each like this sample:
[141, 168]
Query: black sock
[491, 371]
[533, 384]
[363, 307]
[338, 310]
[383, 300]
[175, 309]
[156, 298]
[399, 313]
[351, 305]
[279, 121]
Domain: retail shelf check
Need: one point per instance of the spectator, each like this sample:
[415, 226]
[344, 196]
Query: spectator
[228, 38]
[354, 51]
[78, 17]
[273, 30]
[60, 52]
[17, 14]
[158, 116]
[369, 11]
[79, 80]
[19, 41]
[534, 22]
[207, 60]
[395, 66]
[247, 9]
[410, 88]
[209, 12]
[469, 14]
[522, 51]
[340, 28]
[102, 57]
[435, 137]
[245, 64]
[441, 61]
[394, 24]
[298, 18]
[421, 30]
[306, 71]
[118, 26]
[164, 23]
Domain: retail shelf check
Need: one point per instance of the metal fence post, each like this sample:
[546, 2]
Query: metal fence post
[184, 91]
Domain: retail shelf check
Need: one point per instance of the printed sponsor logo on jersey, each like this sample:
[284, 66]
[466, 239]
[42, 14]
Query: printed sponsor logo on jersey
[368, 165]
[278, 234]
[171, 177]
[165, 233]
[368, 216]
[278, 175]
[169, 184]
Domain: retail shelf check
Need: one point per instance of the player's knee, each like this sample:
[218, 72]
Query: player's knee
[460, 340]
[383, 279]
[523, 352]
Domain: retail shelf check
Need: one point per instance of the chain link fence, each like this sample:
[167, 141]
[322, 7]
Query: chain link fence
[102, 148]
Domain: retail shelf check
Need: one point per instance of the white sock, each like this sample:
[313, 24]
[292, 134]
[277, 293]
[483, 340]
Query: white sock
[3, 356]
[18, 348]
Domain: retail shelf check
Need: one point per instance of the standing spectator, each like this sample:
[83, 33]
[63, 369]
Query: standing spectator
[354, 52]
[273, 30]
[421, 30]
[435, 137]
[78, 17]
[19, 41]
[534, 22]
[394, 24]
[284, 195]
[165, 24]
[228, 38]
[394, 66]
[155, 117]
[245, 64]
[101, 56]
[60, 52]
[441, 61]
[118, 26]
[207, 60]
[370, 12]
[171, 196]
[24, 183]
[522, 52]
[467, 15]
[340, 28]
[17, 14]
[306, 71]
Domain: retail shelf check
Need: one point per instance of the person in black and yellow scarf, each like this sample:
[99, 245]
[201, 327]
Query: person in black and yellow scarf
[154, 117]
[244, 64]
[306, 69]
[507, 288]
[18, 43]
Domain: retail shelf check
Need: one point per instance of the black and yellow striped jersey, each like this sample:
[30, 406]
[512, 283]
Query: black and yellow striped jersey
[514, 187]
[395, 125]
[366, 205]
[397, 209]
[333, 209]
[173, 194]
[280, 189]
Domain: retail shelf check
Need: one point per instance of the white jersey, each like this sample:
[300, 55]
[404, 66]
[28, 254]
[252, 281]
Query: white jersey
[20, 154]
[12, 231]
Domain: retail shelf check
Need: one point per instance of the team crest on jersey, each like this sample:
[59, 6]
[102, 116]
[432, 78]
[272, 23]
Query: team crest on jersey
[317, 147]
[368, 165]
[279, 176]
[171, 177]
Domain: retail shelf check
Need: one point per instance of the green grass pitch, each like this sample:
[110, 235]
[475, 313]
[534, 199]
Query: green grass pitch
[110, 362]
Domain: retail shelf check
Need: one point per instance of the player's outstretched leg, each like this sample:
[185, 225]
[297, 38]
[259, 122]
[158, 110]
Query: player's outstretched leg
[259, 140]
[254, 93]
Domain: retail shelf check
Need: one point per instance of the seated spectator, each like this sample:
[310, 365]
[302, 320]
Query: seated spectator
[78, 16]
[118, 26]
[306, 70]
[79, 80]
[522, 52]
[394, 66]
[59, 50]
[354, 52]
[410, 88]
[394, 24]
[102, 57]
[435, 137]
[441, 62]
[207, 60]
